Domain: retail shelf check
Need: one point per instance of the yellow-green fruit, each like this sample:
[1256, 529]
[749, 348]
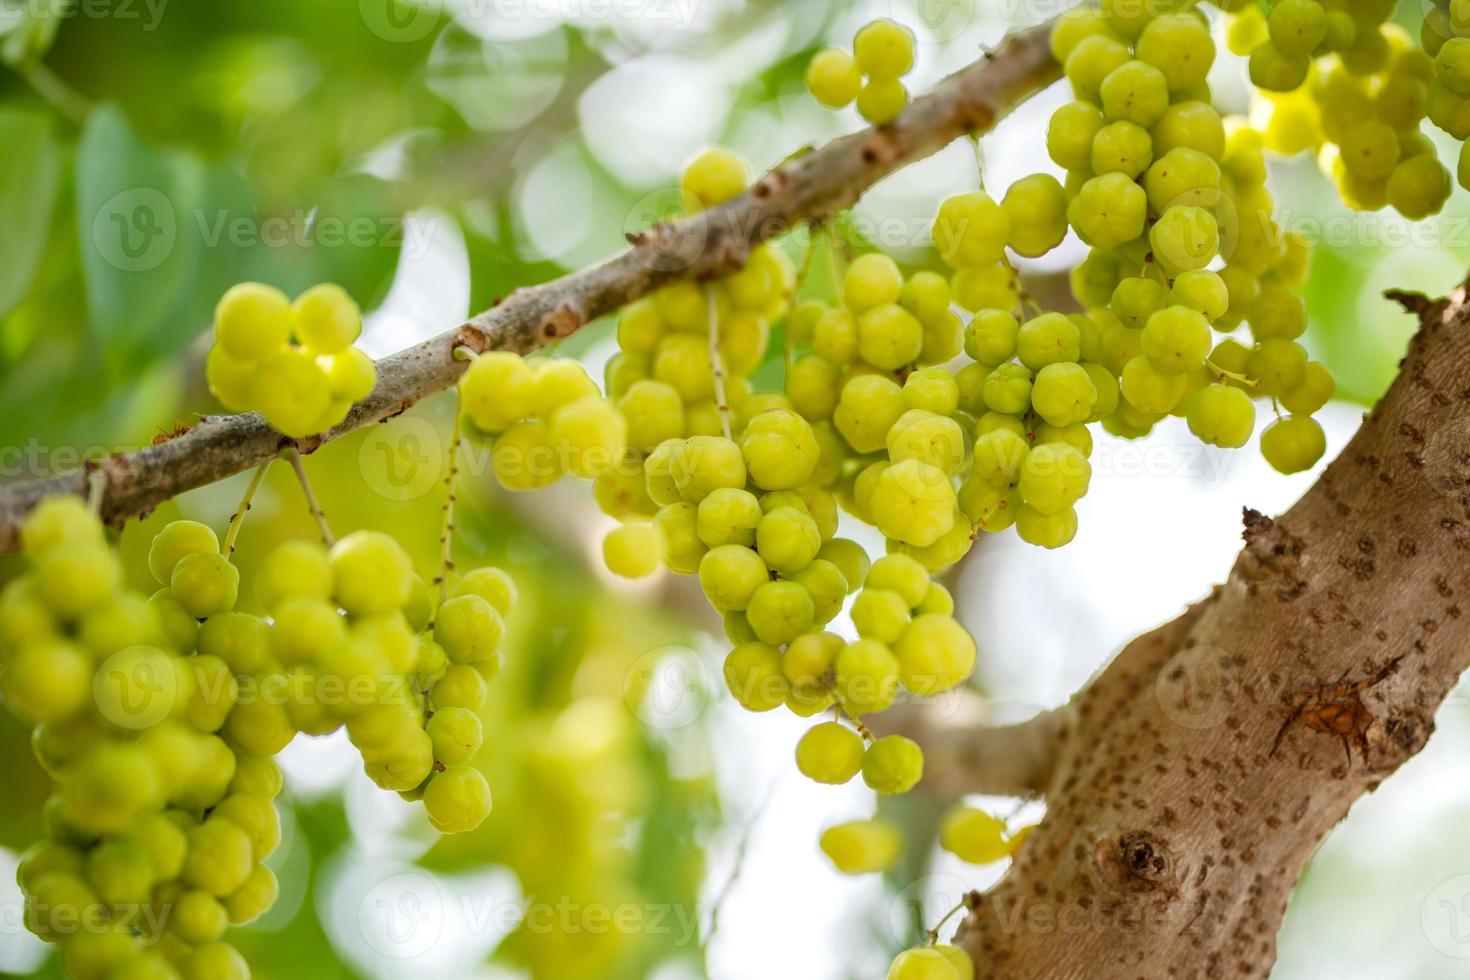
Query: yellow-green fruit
[922, 964]
[351, 374]
[252, 320]
[862, 846]
[198, 917]
[633, 550]
[884, 49]
[753, 674]
[830, 753]
[494, 585]
[56, 521]
[935, 654]
[371, 573]
[457, 800]
[834, 78]
[217, 961]
[230, 378]
[46, 682]
[1293, 444]
[973, 835]
[326, 319]
[964, 967]
[893, 765]
[496, 390]
[219, 858]
[882, 100]
[254, 898]
[711, 178]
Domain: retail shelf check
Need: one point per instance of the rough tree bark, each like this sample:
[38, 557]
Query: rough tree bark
[1192, 780]
[809, 187]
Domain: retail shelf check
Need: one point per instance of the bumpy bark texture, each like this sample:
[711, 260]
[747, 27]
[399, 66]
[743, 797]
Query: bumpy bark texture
[1197, 774]
[809, 187]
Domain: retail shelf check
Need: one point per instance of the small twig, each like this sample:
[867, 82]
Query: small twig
[293, 456]
[237, 519]
[1232, 375]
[716, 361]
[446, 536]
[855, 721]
[979, 158]
[1415, 303]
[50, 86]
[835, 266]
[932, 936]
[741, 850]
[796, 286]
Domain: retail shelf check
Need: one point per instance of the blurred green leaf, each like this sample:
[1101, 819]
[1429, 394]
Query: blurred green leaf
[350, 233]
[28, 181]
[27, 30]
[135, 221]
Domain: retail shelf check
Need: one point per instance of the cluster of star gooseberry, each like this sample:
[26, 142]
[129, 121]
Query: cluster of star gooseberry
[292, 362]
[1339, 81]
[883, 52]
[742, 489]
[1171, 198]
[158, 717]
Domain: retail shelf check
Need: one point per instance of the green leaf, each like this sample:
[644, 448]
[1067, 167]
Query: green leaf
[28, 182]
[348, 230]
[138, 215]
[28, 29]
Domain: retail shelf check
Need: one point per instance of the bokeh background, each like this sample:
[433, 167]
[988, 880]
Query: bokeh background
[432, 158]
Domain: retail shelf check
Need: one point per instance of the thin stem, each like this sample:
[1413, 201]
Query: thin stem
[50, 86]
[832, 258]
[293, 456]
[791, 294]
[979, 158]
[1233, 376]
[806, 264]
[856, 722]
[237, 519]
[933, 935]
[96, 490]
[716, 362]
[1024, 300]
[446, 536]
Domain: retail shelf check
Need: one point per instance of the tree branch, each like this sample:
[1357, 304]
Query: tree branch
[1212, 756]
[964, 754]
[705, 245]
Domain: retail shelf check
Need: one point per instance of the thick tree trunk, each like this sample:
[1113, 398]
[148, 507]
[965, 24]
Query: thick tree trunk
[1190, 783]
